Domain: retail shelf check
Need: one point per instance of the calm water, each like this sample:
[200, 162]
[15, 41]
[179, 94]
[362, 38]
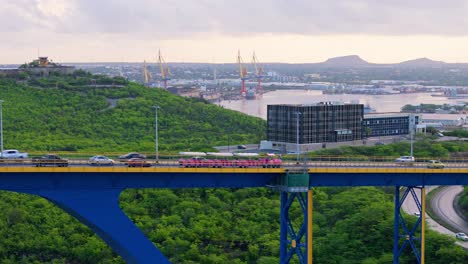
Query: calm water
[381, 103]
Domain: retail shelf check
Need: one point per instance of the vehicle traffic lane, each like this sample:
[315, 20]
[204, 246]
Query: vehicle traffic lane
[285, 163]
[442, 204]
[409, 206]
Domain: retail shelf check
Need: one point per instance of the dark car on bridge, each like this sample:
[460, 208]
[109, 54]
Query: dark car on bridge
[50, 160]
[131, 155]
[137, 162]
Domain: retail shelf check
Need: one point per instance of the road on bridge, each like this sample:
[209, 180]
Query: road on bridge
[325, 163]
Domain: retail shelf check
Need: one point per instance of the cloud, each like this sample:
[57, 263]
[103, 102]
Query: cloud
[176, 18]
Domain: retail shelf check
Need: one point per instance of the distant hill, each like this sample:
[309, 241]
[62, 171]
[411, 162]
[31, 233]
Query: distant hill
[339, 62]
[422, 62]
[346, 61]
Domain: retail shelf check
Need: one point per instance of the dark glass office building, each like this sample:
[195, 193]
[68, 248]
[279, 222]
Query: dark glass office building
[388, 124]
[318, 123]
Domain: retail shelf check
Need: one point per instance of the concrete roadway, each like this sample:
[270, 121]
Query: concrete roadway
[442, 203]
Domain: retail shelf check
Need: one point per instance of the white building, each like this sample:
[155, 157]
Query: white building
[444, 120]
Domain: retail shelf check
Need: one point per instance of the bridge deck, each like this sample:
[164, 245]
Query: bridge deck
[91, 193]
[88, 169]
[17, 177]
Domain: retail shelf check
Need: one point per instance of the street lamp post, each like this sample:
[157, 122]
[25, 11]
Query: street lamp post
[411, 144]
[1, 127]
[297, 136]
[156, 146]
[411, 127]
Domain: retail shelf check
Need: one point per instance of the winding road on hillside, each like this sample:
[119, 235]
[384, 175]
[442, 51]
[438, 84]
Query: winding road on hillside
[442, 204]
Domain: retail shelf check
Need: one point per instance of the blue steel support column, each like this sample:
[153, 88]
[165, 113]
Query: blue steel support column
[99, 210]
[396, 226]
[309, 227]
[283, 227]
[293, 243]
[409, 234]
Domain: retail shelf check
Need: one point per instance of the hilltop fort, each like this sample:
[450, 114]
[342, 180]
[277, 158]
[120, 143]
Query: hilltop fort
[41, 66]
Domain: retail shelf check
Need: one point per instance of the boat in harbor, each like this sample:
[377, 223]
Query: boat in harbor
[251, 95]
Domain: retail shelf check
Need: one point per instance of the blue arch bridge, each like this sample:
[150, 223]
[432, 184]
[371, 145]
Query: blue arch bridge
[91, 195]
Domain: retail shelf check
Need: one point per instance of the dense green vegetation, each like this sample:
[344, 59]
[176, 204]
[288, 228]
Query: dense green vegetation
[78, 117]
[463, 201]
[76, 113]
[457, 133]
[351, 225]
[431, 108]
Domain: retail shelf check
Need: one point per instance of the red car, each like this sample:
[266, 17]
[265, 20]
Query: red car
[137, 162]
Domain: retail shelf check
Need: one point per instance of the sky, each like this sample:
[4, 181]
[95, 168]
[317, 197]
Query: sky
[290, 31]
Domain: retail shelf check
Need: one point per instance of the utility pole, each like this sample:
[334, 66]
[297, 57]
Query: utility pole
[156, 157]
[1, 127]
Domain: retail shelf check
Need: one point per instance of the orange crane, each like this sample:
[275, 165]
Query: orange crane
[146, 74]
[164, 69]
[242, 73]
[258, 73]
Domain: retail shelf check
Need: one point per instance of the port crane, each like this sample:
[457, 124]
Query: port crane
[165, 72]
[258, 73]
[242, 73]
[146, 74]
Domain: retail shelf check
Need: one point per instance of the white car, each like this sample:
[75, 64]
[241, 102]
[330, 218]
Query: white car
[405, 159]
[13, 154]
[461, 236]
[100, 160]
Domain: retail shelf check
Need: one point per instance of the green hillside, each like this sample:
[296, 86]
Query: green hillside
[61, 114]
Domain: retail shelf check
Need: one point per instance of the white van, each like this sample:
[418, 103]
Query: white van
[405, 159]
